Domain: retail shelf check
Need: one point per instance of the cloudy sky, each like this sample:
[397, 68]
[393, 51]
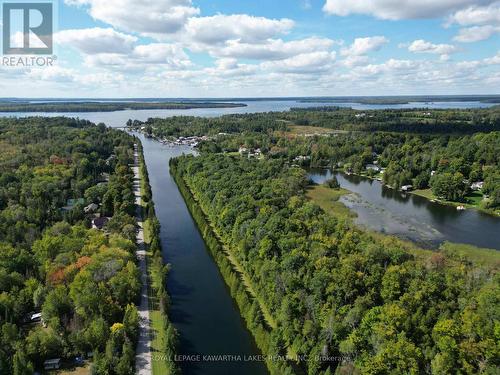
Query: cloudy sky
[222, 48]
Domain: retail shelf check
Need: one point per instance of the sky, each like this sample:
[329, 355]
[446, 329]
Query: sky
[257, 48]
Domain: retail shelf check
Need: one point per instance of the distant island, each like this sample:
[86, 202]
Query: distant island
[108, 106]
[394, 100]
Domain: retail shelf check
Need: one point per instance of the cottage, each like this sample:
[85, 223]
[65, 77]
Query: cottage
[99, 222]
[52, 364]
[36, 317]
[90, 208]
[406, 188]
[477, 185]
[373, 167]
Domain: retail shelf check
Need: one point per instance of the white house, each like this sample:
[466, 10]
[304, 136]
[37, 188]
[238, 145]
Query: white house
[477, 185]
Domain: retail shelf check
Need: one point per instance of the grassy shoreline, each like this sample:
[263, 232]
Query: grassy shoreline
[163, 347]
[327, 199]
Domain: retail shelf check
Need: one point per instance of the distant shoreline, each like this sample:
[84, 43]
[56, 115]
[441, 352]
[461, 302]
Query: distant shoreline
[64, 107]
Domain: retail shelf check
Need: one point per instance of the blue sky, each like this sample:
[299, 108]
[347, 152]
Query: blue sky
[217, 48]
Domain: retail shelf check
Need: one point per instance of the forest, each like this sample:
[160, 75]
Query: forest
[66, 291]
[343, 300]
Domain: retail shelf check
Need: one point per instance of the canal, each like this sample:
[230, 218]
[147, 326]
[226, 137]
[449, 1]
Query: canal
[202, 309]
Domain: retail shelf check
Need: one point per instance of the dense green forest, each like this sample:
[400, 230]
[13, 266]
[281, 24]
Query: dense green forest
[84, 282]
[107, 106]
[342, 299]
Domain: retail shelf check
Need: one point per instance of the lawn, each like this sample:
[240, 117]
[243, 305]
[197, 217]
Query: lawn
[473, 200]
[328, 200]
[301, 130]
[84, 370]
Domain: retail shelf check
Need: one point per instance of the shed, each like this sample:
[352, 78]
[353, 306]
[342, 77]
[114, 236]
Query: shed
[99, 222]
[90, 208]
[52, 364]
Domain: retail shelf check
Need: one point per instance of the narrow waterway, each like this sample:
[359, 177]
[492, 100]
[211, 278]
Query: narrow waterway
[202, 309]
[413, 217]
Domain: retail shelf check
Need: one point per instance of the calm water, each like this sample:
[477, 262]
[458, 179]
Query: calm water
[202, 310]
[412, 217]
[119, 118]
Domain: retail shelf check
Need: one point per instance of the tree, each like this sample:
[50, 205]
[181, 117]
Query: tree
[449, 186]
[21, 364]
[332, 183]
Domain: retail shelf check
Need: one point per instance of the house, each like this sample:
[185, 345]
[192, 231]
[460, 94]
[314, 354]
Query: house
[52, 364]
[36, 317]
[433, 173]
[242, 150]
[477, 185]
[406, 188]
[373, 167]
[90, 208]
[99, 222]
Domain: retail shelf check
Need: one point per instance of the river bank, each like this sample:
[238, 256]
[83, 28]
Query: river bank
[162, 337]
[427, 194]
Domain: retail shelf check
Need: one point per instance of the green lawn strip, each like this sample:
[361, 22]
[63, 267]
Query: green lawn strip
[247, 282]
[158, 337]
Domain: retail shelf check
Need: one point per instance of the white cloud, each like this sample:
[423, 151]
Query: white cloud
[361, 46]
[352, 61]
[398, 9]
[161, 53]
[142, 57]
[484, 21]
[272, 49]
[96, 40]
[112, 49]
[422, 46]
[303, 63]
[244, 28]
[476, 15]
[52, 74]
[476, 33]
[148, 17]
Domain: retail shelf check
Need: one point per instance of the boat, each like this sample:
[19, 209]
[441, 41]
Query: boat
[461, 208]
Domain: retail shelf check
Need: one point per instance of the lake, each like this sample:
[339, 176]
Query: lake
[413, 217]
